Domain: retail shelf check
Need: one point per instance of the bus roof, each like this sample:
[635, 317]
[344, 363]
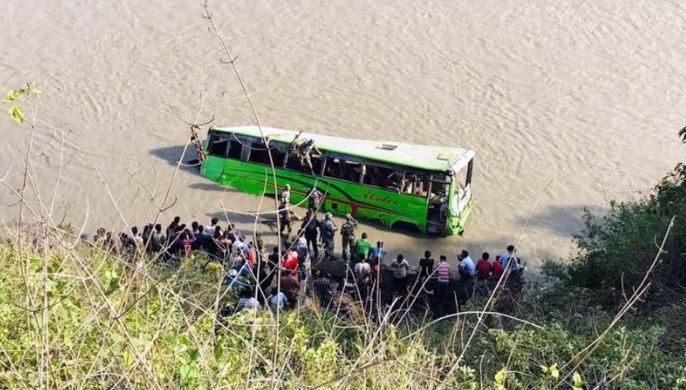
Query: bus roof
[434, 158]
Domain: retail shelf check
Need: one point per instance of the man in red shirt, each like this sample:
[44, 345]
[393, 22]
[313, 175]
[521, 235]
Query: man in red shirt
[483, 273]
[291, 260]
[290, 286]
[497, 268]
[483, 267]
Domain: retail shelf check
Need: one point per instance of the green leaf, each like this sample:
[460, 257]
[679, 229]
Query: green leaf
[554, 372]
[128, 359]
[13, 95]
[578, 382]
[188, 372]
[193, 354]
[500, 377]
[218, 351]
[16, 114]
[185, 371]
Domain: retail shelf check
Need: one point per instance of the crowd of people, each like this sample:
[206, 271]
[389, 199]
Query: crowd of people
[281, 278]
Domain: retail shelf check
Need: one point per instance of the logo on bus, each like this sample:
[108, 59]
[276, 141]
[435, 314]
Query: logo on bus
[380, 198]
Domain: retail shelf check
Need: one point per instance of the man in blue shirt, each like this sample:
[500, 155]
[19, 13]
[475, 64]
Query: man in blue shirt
[509, 261]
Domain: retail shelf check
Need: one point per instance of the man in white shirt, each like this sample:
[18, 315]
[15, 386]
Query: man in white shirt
[362, 269]
[209, 229]
[466, 266]
[285, 196]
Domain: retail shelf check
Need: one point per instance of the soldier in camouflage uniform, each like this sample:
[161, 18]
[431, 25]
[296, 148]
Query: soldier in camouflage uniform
[328, 229]
[348, 235]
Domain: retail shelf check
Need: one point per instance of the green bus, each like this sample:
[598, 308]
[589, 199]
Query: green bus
[400, 186]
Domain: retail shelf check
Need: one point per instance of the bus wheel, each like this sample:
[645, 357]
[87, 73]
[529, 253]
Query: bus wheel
[406, 227]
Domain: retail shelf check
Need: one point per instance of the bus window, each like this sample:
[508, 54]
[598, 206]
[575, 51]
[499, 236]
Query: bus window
[235, 148]
[440, 186]
[317, 164]
[258, 153]
[278, 156]
[333, 168]
[392, 179]
[218, 145]
[294, 163]
[339, 168]
[417, 184]
[371, 175]
[352, 171]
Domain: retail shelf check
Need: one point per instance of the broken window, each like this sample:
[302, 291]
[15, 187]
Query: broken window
[235, 148]
[217, 145]
[381, 176]
[258, 152]
[340, 168]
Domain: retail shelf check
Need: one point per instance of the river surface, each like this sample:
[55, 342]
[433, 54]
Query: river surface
[568, 104]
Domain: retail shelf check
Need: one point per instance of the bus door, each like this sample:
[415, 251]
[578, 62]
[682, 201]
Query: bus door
[438, 202]
[462, 189]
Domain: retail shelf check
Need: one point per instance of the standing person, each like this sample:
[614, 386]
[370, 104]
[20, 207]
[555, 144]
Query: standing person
[285, 195]
[322, 287]
[362, 247]
[187, 241]
[259, 245]
[484, 267]
[291, 260]
[173, 225]
[216, 248]
[241, 246]
[362, 269]
[311, 227]
[290, 286]
[466, 266]
[224, 242]
[303, 257]
[213, 225]
[483, 273]
[328, 229]
[400, 267]
[158, 238]
[442, 290]
[497, 268]
[273, 258]
[376, 256]
[147, 237]
[363, 273]
[509, 260]
[303, 253]
[314, 200]
[348, 235]
[202, 240]
[135, 235]
[286, 217]
[426, 266]
[250, 255]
